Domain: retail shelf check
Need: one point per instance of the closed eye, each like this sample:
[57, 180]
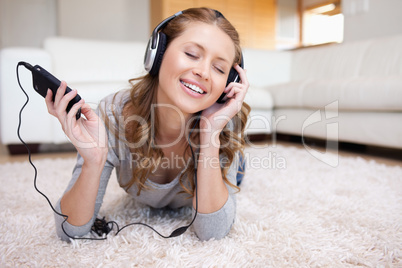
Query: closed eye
[191, 55]
[220, 70]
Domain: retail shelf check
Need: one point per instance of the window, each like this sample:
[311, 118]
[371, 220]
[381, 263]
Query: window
[322, 23]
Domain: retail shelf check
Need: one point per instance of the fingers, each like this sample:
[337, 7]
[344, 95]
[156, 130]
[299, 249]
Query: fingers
[242, 74]
[69, 121]
[49, 102]
[60, 92]
[74, 109]
[58, 107]
[232, 89]
[88, 112]
[61, 100]
[238, 90]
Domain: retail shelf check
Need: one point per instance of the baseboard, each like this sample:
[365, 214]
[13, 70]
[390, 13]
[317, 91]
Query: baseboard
[35, 148]
[18, 149]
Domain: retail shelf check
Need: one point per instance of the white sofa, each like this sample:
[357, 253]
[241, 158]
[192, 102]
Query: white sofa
[95, 69]
[348, 92]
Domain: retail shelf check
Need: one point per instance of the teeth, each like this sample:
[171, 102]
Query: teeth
[193, 87]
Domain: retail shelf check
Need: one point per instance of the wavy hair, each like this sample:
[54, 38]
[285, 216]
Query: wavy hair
[143, 96]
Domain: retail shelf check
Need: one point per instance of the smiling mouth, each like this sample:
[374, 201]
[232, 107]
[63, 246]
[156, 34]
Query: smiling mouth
[193, 87]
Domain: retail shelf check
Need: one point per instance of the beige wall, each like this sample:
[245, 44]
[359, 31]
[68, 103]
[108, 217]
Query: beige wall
[26, 22]
[29, 22]
[371, 18]
[119, 20]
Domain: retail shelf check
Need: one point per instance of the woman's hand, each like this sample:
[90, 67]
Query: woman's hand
[88, 134]
[218, 115]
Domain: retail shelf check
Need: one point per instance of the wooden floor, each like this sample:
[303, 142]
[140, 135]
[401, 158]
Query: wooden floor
[386, 156]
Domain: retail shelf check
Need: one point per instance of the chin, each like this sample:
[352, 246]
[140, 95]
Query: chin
[190, 109]
[192, 106]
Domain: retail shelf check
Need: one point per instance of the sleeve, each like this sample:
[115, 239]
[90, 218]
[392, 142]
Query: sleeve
[218, 224]
[111, 162]
[77, 231]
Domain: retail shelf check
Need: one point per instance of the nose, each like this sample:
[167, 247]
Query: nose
[202, 70]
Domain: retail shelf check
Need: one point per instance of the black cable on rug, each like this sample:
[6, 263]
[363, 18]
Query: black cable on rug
[101, 227]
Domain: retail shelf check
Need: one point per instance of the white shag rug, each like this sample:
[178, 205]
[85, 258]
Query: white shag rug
[293, 211]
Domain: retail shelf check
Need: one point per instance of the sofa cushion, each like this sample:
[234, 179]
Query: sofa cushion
[378, 93]
[94, 92]
[379, 56]
[332, 61]
[383, 56]
[79, 60]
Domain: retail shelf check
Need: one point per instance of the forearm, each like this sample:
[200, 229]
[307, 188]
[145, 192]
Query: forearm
[212, 192]
[79, 202]
[217, 203]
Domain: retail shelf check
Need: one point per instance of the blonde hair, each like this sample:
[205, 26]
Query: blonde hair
[143, 96]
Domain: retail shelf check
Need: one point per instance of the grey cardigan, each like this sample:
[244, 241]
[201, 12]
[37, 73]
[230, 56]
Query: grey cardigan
[206, 226]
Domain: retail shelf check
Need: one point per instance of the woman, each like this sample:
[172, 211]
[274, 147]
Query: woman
[147, 131]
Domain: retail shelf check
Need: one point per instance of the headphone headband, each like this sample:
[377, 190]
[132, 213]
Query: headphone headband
[160, 26]
[157, 45]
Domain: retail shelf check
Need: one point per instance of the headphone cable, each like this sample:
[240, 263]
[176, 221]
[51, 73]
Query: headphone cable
[100, 226]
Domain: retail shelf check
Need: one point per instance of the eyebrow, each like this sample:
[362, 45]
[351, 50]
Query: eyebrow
[203, 49]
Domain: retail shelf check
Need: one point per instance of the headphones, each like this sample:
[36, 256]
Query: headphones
[157, 45]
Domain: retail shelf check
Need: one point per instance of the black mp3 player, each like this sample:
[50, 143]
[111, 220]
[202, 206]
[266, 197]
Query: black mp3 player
[43, 80]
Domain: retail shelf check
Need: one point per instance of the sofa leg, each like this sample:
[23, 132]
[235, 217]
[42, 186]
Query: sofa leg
[16, 149]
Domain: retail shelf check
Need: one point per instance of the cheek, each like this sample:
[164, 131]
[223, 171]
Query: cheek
[171, 64]
[165, 69]
[173, 59]
[219, 85]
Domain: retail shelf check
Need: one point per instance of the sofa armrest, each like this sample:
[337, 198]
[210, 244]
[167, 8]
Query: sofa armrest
[36, 122]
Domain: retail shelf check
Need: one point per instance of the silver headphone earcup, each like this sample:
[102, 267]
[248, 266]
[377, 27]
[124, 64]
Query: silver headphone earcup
[153, 56]
[149, 56]
[161, 48]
